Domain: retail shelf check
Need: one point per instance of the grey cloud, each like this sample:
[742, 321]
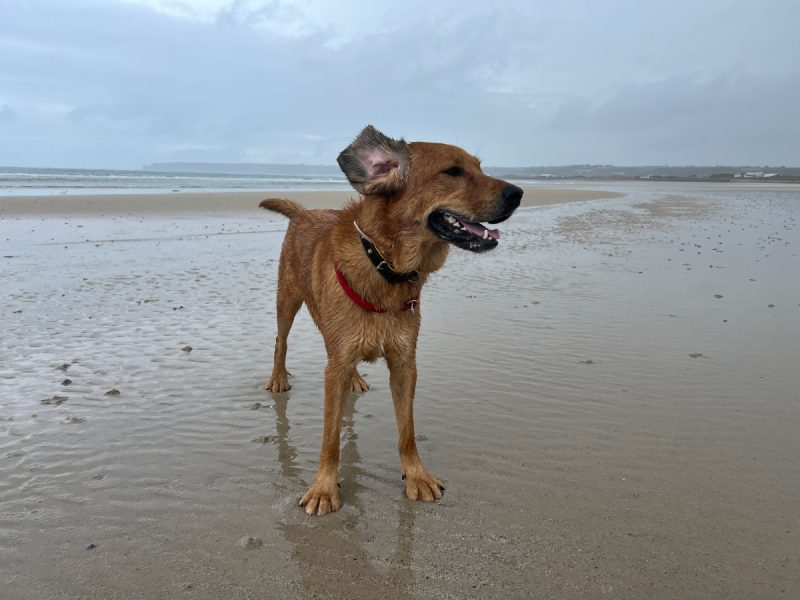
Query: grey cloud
[100, 83]
[653, 104]
[724, 118]
[276, 16]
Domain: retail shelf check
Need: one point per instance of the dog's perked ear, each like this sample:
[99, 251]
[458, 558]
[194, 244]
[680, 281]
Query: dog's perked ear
[376, 164]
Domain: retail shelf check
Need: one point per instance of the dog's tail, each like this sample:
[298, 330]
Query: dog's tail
[288, 208]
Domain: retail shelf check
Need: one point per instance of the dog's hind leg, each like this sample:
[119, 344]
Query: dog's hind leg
[359, 383]
[289, 302]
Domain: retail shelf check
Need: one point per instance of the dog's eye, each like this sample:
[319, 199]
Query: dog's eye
[454, 171]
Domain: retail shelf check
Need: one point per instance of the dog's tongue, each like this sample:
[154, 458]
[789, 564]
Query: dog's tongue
[478, 229]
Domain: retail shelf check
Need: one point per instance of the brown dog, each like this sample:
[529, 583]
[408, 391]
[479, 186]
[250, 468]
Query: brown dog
[360, 271]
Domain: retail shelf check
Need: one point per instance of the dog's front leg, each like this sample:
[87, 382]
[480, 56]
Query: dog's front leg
[420, 485]
[323, 496]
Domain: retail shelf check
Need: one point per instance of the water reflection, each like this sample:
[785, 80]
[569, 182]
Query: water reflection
[331, 552]
[287, 453]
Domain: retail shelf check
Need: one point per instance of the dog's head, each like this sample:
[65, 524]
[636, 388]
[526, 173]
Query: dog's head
[429, 190]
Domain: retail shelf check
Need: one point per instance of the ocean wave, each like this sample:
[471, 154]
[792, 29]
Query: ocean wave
[47, 181]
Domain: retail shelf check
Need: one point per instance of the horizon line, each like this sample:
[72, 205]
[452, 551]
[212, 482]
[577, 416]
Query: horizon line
[334, 166]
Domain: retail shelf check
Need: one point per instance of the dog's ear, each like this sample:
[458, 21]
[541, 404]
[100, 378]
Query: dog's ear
[376, 164]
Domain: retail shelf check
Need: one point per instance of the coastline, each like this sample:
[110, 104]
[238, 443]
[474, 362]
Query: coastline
[221, 202]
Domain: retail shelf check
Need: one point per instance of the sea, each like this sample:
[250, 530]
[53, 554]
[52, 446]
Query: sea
[17, 181]
[28, 181]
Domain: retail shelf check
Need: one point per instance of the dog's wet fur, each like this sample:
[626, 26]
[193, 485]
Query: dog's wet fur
[416, 199]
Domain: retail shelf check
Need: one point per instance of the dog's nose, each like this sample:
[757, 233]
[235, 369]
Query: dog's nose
[512, 196]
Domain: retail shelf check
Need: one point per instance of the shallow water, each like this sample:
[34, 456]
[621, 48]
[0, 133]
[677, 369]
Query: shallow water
[611, 399]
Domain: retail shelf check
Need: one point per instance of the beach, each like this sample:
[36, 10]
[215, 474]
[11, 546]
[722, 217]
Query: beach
[610, 398]
[183, 203]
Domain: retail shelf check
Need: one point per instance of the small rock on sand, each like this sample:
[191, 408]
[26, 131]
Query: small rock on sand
[55, 400]
[250, 543]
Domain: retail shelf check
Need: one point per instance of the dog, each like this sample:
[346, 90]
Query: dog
[360, 271]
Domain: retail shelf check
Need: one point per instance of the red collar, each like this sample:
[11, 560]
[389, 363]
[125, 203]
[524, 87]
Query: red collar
[410, 305]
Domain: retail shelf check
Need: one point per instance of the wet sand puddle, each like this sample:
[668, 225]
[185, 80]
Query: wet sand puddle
[611, 399]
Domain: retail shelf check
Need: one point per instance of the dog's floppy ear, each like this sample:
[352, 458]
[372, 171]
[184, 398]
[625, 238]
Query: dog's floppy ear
[376, 164]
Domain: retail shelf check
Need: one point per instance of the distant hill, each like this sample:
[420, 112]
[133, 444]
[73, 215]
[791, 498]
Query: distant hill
[604, 172]
[717, 172]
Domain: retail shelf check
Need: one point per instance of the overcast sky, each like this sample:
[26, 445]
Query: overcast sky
[117, 84]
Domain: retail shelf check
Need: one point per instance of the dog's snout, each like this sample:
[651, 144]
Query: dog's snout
[512, 196]
[507, 203]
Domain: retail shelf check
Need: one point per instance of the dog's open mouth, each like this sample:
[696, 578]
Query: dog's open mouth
[462, 233]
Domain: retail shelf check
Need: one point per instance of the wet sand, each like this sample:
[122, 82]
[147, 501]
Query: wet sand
[610, 398]
[181, 203]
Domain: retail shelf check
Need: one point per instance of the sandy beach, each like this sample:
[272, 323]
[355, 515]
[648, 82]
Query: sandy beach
[182, 203]
[610, 398]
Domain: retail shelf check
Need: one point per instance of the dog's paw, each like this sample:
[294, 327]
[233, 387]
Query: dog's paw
[421, 485]
[320, 499]
[278, 383]
[359, 383]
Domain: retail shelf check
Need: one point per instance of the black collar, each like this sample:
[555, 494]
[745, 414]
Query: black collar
[381, 264]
